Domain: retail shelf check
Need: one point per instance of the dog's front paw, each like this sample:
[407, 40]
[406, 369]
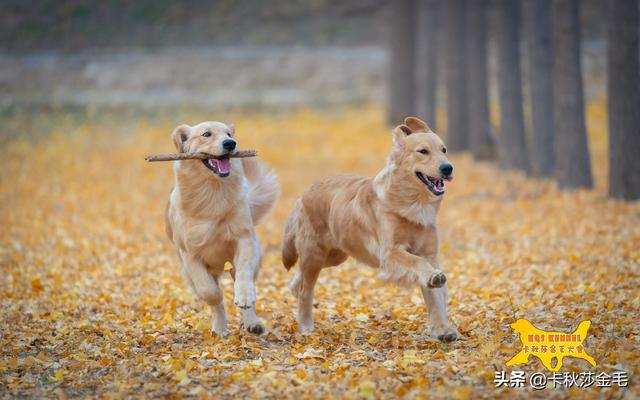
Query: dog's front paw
[244, 295]
[437, 280]
[256, 327]
[444, 333]
[305, 327]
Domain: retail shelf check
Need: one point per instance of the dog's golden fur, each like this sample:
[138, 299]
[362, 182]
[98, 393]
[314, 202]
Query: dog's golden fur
[388, 222]
[210, 219]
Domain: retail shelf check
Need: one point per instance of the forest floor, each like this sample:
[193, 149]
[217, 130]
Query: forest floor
[93, 303]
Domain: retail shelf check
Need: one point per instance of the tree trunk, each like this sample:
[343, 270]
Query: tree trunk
[573, 166]
[480, 140]
[512, 153]
[623, 86]
[426, 60]
[454, 53]
[537, 32]
[401, 62]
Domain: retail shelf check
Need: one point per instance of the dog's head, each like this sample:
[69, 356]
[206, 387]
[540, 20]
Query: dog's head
[420, 156]
[211, 137]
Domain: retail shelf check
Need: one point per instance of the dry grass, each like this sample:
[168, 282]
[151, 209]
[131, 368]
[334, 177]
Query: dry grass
[93, 302]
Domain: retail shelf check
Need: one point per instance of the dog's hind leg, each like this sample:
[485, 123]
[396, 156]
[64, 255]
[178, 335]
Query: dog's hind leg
[302, 286]
[207, 288]
[336, 257]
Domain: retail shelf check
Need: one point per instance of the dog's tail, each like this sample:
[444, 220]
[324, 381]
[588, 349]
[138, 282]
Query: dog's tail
[167, 221]
[263, 188]
[289, 251]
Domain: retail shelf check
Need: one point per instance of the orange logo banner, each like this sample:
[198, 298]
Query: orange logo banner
[549, 345]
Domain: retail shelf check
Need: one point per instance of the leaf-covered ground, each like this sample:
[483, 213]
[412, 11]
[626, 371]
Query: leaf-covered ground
[93, 302]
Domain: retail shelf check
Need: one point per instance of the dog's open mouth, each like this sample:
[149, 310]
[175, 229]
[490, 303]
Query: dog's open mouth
[435, 185]
[220, 166]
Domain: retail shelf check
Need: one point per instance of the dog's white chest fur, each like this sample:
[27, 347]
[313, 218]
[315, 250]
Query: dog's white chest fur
[423, 214]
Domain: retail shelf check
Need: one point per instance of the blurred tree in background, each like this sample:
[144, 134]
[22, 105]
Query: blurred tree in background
[539, 57]
[402, 51]
[429, 15]
[623, 85]
[512, 152]
[480, 141]
[455, 74]
[573, 166]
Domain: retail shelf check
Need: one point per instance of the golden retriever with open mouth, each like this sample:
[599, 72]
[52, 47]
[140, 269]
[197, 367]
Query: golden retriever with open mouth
[211, 215]
[388, 222]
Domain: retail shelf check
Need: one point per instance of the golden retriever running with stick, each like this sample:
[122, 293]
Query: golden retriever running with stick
[211, 215]
[388, 222]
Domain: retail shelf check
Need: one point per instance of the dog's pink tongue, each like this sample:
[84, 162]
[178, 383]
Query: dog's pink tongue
[224, 165]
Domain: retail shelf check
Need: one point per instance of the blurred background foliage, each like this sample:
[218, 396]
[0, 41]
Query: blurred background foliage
[144, 58]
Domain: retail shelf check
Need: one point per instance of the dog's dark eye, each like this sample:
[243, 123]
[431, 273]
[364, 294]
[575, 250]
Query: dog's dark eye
[444, 149]
[423, 151]
[206, 134]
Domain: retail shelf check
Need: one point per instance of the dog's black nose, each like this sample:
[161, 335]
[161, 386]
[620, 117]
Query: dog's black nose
[446, 169]
[229, 144]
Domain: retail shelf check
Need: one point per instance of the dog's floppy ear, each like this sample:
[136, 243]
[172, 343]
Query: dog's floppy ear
[180, 135]
[400, 132]
[232, 129]
[416, 124]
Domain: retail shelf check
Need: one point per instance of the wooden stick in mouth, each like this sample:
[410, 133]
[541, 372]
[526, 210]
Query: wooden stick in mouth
[199, 156]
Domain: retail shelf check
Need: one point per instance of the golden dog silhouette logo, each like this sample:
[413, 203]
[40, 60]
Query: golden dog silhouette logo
[549, 345]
